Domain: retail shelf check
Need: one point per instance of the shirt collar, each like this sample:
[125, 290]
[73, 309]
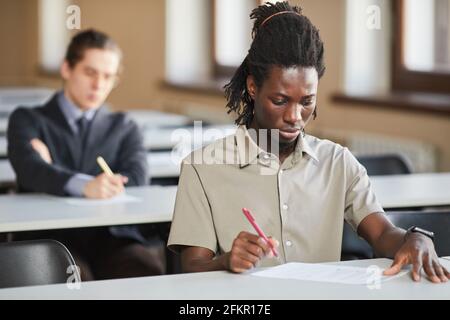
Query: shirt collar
[71, 112]
[249, 151]
[304, 146]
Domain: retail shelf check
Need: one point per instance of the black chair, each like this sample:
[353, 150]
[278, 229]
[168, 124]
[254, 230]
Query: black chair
[36, 262]
[437, 221]
[354, 247]
[384, 164]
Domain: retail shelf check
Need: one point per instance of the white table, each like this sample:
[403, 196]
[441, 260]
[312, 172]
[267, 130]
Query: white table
[3, 147]
[24, 212]
[412, 190]
[192, 136]
[161, 164]
[164, 164]
[13, 97]
[3, 124]
[225, 285]
[7, 174]
[151, 118]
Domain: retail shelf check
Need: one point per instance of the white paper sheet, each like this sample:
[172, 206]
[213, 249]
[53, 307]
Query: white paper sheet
[327, 273]
[122, 198]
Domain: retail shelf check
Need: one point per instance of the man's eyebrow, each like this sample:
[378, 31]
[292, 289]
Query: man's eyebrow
[288, 97]
[90, 68]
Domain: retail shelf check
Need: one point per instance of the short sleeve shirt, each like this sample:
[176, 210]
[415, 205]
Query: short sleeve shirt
[302, 202]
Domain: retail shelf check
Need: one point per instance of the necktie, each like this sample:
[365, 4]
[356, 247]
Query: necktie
[83, 126]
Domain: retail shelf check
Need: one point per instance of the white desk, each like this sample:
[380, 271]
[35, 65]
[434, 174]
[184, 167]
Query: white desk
[412, 190]
[167, 138]
[225, 285]
[3, 147]
[12, 97]
[24, 212]
[161, 164]
[7, 174]
[3, 124]
[151, 119]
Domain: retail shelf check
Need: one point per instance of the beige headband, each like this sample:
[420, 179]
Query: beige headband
[276, 14]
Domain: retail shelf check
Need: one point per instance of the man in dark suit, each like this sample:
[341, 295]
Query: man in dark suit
[53, 149]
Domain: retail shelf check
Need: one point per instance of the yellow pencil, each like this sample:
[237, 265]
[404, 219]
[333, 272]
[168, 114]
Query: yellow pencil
[102, 163]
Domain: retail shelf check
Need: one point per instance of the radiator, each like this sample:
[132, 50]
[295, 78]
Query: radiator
[422, 157]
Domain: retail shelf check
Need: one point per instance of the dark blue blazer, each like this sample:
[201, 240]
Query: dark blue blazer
[114, 136]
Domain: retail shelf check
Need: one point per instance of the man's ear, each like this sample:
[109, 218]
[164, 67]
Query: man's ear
[65, 70]
[251, 86]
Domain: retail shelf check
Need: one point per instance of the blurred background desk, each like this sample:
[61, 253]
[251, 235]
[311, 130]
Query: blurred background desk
[26, 212]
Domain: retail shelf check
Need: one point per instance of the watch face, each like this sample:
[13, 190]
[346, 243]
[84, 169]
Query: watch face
[423, 231]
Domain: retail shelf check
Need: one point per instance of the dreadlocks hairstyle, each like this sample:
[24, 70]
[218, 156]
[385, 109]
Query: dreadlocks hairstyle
[282, 37]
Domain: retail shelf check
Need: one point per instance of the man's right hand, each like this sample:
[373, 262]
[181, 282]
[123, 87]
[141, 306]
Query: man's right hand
[247, 250]
[105, 186]
[41, 148]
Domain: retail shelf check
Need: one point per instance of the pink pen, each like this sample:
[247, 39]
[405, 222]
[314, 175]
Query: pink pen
[250, 218]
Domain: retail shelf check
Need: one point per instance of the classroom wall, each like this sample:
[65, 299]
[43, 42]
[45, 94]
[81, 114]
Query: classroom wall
[138, 26]
[18, 41]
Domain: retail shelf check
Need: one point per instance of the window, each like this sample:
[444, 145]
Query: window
[232, 34]
[53, 34]
[213, 37]
[405, 62]
[187, 40]
[367, 50]
[422, 50]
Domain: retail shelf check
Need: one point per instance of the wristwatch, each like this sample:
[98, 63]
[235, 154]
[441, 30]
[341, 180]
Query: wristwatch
[429, 234]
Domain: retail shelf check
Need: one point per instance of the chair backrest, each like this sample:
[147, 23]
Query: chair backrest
[36, 262]
[437, 221]
[384, 164]
[354, 247]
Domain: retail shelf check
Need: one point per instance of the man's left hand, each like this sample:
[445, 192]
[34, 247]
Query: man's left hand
[419, 251]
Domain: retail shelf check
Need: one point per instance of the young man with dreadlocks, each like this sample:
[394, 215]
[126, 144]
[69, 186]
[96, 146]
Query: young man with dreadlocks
[299, 188]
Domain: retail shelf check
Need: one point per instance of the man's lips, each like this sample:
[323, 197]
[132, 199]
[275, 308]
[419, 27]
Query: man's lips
[290, 130]
[92, 97]
[289, 133]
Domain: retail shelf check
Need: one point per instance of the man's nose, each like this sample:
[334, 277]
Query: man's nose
[293, 114]
[98, 82]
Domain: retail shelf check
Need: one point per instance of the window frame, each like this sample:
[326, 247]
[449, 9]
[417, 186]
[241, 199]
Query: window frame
[221, 71]
[403, 79]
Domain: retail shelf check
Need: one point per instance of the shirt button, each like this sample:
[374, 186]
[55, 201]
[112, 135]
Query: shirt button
[289, 243]
[285, 206]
